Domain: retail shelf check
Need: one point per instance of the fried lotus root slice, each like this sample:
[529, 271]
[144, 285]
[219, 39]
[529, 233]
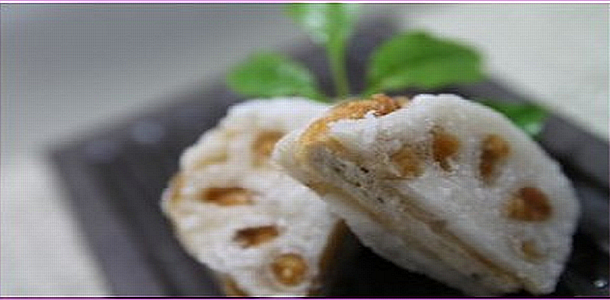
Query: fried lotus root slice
[232, 214]
[465, 187]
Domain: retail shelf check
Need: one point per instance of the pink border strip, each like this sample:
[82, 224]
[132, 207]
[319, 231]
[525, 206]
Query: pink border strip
[308, 1]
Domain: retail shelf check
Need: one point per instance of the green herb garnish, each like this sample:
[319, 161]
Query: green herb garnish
[529, 117]
[272, 75]
[409, 60]
[420, 60]
[329, 25]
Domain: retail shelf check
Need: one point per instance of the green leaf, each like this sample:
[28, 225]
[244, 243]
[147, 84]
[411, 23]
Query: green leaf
[529, 117]
[325, 22]
[420, 60]
[272, 75]
[330, 25]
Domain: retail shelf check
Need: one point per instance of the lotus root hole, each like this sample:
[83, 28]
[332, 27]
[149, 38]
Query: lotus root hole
[232, 288]
[255, 236]
[444, 147]
[530, 204]
[227, 196]
[264, 143]
[494, 149]
[530, 251]
[408, 161]
[289, 269]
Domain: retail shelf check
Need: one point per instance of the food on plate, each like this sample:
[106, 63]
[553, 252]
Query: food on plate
[441, 186]
[262, 232]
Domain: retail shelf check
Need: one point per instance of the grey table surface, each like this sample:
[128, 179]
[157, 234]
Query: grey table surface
[70, 69]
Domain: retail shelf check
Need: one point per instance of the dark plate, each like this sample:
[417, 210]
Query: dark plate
[115, 178]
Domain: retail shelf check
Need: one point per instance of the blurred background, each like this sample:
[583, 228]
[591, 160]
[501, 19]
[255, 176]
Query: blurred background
[68, 70]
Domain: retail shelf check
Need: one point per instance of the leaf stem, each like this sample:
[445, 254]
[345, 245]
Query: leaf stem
[336, 57]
